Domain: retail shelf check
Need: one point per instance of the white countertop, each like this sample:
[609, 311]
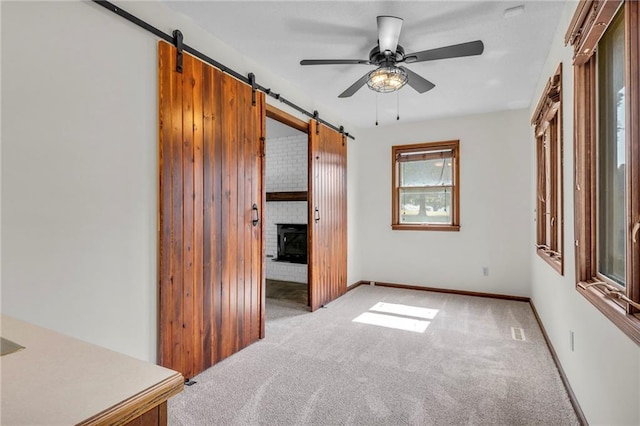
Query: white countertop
[61, 380]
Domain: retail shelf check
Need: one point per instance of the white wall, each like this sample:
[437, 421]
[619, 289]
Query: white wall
[79, 166]
[604, 368]
[354, 255]
[494, 200]
[286, 169]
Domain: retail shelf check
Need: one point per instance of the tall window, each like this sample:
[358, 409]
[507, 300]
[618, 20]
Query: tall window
[611, 187]
[549, 200]
[606, 39]
[426, 186]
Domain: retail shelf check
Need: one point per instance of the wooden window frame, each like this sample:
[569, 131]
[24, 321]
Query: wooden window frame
[454, 146]
[547, 120]
[591, 19]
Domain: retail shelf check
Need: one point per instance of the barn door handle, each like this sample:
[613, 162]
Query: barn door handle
[256, 215]
[316, 215]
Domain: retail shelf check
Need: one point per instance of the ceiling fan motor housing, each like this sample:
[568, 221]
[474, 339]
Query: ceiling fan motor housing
[379, 58]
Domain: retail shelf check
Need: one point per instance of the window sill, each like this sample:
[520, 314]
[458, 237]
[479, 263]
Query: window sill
[629, 324]
[555, 262]
[423, 227]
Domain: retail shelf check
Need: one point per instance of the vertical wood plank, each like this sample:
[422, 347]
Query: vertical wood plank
[325, 214]
[176, 310]
[218, 196]
[253, 194]
[310, 225]
[208, 223]
[165, 122]
[188, 228]
[249, 134]
[243, 214]
[225, 320]
[341, 219]
[198, 218]
[232, 124]
[344, 210]
[244, 299]
[259, 267]
[311, 228]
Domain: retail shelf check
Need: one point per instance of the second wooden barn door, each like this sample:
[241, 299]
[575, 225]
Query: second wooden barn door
[210, 233]
[327, 215]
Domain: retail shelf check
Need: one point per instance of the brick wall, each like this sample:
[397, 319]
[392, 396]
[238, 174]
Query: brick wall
[285, 170]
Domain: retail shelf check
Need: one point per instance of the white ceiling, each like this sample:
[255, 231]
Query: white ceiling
[278, 34]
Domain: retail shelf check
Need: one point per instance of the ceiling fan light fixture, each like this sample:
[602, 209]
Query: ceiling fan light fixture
[387, 79]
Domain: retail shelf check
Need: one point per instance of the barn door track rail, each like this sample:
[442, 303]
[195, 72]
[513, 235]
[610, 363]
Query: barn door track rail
[177, 40]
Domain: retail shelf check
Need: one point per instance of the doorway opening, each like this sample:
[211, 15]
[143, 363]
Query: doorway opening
[286, 215]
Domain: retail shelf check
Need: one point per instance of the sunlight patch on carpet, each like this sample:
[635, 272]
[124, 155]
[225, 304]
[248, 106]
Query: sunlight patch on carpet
[391, 321]
[405, 310]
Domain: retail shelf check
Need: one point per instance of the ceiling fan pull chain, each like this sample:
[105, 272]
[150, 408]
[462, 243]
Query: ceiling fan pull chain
[397, 105]
[377, 109]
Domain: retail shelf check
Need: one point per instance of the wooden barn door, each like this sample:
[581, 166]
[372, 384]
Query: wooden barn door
[327, 215]
[210, 206]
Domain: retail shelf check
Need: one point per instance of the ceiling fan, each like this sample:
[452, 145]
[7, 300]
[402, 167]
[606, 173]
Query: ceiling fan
[389, 76]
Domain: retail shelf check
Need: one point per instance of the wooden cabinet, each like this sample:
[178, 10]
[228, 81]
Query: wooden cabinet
[56, 379]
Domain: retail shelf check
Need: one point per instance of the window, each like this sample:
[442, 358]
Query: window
[547, 124]
[606, 39]
[426, 186]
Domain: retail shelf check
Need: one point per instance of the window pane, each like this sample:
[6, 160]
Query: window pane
[425, 205]
[548, 201]
[558, 213]
[611, 153]
[426, 172]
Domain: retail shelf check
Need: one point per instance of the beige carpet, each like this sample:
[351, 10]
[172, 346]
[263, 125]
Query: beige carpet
[323, 368]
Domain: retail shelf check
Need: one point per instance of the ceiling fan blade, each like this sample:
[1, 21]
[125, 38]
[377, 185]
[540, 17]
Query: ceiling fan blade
[419, 83]
[388, 33]
[455, 51]
[354, 87]
[334, 62]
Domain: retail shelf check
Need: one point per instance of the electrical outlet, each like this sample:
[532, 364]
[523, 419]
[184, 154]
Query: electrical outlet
[571, 340]
[485, 271]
